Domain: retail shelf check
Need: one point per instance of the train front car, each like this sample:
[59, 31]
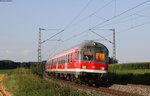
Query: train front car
[85, 63]
[93, 58]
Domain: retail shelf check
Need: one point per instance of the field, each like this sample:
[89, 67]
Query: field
[6, 71]
[134, 73]
[21, 82]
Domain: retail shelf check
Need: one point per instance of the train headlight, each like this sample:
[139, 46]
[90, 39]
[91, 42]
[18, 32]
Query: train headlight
[102, 68]
[83, 67]
[94, 43]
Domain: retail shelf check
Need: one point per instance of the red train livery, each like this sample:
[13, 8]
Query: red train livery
[87, 62]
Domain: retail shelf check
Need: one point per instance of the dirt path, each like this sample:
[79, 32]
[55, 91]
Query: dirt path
[2, 89]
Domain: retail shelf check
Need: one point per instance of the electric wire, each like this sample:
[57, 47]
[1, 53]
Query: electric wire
[74, 36]
[133, 27]
[121, 13]
[120, 19]
[127, 29]
[52, 36]
[84, 8]
[93, 14]
[143, 15]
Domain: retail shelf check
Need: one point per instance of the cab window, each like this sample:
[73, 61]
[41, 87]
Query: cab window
[100, 56]
[87, 55]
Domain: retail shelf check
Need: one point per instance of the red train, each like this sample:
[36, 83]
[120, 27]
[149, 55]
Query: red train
[86, 63]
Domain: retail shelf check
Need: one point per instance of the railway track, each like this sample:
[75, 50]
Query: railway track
[141, 86]
[131, 88]
[101, 91]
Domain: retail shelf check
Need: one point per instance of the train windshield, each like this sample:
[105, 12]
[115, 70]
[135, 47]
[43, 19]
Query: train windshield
[93, 54]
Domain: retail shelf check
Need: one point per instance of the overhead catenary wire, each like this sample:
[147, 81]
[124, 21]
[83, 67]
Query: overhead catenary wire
[74, 36]
[127, 29]
[130, 28]
[111, 18]
[93, 14]
[120, 19]
[84, 8]
[100, 36]
[143, 15]
[87, 17]
[52, 36]
[121, 13]
[133, 27]
[106, 20]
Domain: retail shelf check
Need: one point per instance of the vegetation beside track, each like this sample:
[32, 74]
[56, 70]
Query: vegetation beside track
[134, 73]
[6, 71]
[22, 82]
[140, 65]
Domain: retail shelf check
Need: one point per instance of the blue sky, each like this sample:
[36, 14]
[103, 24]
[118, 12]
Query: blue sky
[20, 20]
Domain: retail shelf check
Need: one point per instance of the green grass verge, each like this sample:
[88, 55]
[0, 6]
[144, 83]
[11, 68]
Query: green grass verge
[6, 71]
[21, 82]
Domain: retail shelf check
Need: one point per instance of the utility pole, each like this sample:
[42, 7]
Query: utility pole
[39, 46]
[114, 45]
[40, 42]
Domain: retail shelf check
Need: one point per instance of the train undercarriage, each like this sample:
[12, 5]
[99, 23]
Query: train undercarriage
[90, 79]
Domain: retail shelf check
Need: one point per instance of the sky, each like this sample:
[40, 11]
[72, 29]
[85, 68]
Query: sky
[20, 21]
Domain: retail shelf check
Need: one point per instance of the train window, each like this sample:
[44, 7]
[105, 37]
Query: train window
[87, 55]
[66, 58]
[60, 60]
[76, 55]
[69, 58]
[100, 56]
[63, 60]
[54, 61]
[50, 62]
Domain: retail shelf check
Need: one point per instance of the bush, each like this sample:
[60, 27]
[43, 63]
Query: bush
[8, 64]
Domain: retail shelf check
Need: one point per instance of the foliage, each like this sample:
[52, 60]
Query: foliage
[8, 64]
[112, 60]
[23, 83]
[6, 71]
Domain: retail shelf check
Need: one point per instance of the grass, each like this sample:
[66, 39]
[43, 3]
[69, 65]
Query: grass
[134, 71]
[21, 82]
[6, 71]
[123, 74]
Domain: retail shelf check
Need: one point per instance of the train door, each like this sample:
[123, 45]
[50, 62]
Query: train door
[56, 63]
[76, 59]
[66, 62]
[73, 60]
